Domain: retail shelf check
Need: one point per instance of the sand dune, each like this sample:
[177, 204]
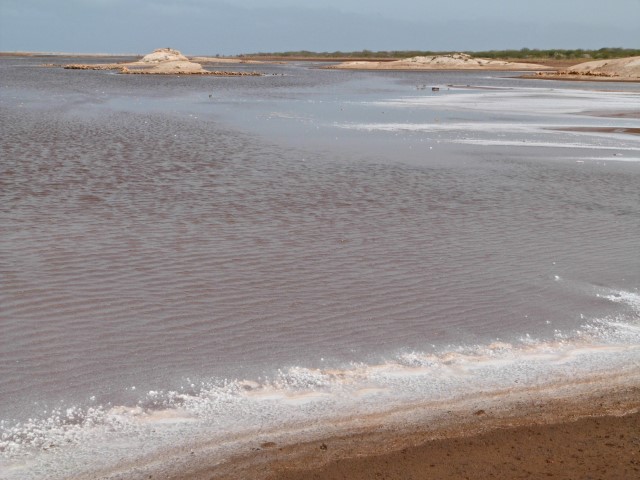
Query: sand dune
[619, 69]
[457, 61]
[164, 55]
[163, 61]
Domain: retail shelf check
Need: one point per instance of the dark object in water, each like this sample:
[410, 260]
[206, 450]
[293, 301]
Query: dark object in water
[435, 89]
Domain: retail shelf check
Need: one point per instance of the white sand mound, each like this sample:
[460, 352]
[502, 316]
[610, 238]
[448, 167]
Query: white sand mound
[454, 61]
[628, 67]
[164, 55]
[169, 67]
[164, 61]
[462, 60]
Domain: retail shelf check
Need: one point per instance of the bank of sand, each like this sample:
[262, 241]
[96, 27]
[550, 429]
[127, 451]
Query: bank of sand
[614, 70]
[577, 432]
[458, 61]
[595, 447]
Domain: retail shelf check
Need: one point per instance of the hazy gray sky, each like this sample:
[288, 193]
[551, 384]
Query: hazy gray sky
[245, 26]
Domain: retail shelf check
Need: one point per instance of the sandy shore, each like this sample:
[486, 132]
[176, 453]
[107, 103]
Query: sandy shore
[602, 447]
[167, 61]
[458, 61]
[613, 70]
[593, 432]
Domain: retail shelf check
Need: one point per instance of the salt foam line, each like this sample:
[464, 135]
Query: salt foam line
[522, 143]
[542, 101]
[496, 127]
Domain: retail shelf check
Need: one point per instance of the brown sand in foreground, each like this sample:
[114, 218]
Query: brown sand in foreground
[597, 448]
[589, 435]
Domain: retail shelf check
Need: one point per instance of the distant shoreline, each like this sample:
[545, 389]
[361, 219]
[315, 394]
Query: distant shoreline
[64, 54]
[552, 63]
[547, 69]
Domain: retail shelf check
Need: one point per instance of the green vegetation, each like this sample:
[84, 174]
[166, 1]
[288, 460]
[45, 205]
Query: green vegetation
[601, 54]
[524, 53]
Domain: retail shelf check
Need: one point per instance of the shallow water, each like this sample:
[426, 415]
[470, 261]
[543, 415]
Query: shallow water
[209, 256]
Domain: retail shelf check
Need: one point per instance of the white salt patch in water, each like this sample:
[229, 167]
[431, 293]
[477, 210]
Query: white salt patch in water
[561, 105]
[525, 101]
[613, 158]
[446, 127]
[629, 298]
[528, 143]
[458, 132]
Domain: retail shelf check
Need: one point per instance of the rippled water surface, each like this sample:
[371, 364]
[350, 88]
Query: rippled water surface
[165, 239]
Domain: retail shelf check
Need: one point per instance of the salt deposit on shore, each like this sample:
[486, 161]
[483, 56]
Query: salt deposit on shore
[457, 61]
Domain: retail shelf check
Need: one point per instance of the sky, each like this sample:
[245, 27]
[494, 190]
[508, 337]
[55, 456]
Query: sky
[231, 27]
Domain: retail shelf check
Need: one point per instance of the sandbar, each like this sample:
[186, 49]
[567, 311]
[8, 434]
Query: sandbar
[613, 70]
[457, 61]
[162, 61]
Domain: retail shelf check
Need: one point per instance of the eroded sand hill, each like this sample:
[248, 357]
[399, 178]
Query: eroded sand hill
[628, 67]
[614, 70]
[456, 61]
[163, 61]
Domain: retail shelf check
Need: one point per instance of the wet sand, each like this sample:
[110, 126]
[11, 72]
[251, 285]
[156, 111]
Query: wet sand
[601, 447]
[592, 436]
